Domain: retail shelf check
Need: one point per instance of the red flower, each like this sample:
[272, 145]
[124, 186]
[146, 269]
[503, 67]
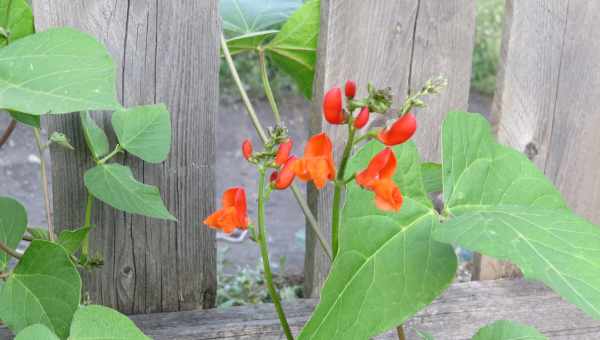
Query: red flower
[317, 163]
[283, 179]
[350, 89]
[332, 106]
[377, 177]
[400, 131]
[233, 214]
[283, 153]
[247, 149]
[362, 118]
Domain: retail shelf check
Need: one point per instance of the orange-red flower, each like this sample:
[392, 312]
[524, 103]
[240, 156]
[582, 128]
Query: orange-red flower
[400, 131]
[332, 106]
[362, 118]
[350, 89]
[283, 153]
[317, 163]
[283, 178]
[233, 214]
[247, 149]
[378, 178]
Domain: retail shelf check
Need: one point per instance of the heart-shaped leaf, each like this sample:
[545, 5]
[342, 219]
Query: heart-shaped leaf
[114, 184]
[144, 131]
[13, 223]
[71, 239]
[36, 332]
[97, 322]
[95, 138]
[508, 330]
[16, 21]
[57, 71]
[388, 266]
[44, 288]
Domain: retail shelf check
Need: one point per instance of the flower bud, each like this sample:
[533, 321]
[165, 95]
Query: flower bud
[283, 153]
[400, 131]
[247, 149]
[362, 119]
[332, 106]
[350, 89]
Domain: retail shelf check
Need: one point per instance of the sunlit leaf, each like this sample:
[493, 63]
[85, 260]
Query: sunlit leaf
[98, 322]
[36, 332]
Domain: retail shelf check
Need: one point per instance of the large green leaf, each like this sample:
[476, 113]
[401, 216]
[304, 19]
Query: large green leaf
[13, 223]
[36, 332]
[98, 322]
[432, 177]
[57, 71]
[508, 330]
[388, 266]
[501, 205]
[44, 288]
[294, 48]
[95, 138]
[249, 42]
[16, 21]
[144, 131]
[114, 184]
[242, 17]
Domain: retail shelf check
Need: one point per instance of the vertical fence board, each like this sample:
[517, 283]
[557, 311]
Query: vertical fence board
[165, 51]
[392, 43]
[546, 102]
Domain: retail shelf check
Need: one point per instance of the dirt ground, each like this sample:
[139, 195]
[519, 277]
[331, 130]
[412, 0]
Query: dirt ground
[19, 177]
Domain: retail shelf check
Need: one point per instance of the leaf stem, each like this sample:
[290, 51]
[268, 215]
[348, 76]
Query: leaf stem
[264, 251]
[267, 85]
[5, 248]
[9, 130]
[85, 245]
[116, 150]
[45, 186]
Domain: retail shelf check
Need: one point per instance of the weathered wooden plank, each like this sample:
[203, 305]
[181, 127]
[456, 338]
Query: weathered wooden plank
[546, 103]
[166, 51]
[464, 308]
[392, 43]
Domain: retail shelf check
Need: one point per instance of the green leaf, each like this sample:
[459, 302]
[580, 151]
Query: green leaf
[61, 139]
[98, 322]
[13, 223]
[39, 233]
[508, 330]
[26, 119]
[71, 239]
[36, 332]
[425, 335]
[44, 288]
[95, 138]
[16, 21]
[144, 131]
[248, 42]
[294, 48]
[432, 177]
[242, 17]
[114, 184]
[388, 267]
[57, 71]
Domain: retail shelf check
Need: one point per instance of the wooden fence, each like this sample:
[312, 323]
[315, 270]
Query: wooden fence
[545, 106]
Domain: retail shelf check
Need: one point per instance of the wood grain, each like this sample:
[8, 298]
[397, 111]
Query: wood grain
[458, 314]
[399, 44]
[546, 103]
[165, 51]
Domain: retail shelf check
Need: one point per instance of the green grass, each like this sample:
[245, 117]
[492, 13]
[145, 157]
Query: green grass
[488, 36]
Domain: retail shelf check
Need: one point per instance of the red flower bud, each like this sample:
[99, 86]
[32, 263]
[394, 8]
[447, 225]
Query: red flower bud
[283, 153]
[247, 149]
[362, 119]
[332, 106]
[285, 177]
[350, 89]
[400, 131]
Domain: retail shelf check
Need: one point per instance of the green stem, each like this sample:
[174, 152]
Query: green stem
[264, 251]
[267, 85]
[312, 221]
[45, 186]
[85, 245]
[5, 248]
[116, 150]
[337, 193]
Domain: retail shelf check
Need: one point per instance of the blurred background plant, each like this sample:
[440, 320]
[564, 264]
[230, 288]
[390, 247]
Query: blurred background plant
[488, 37]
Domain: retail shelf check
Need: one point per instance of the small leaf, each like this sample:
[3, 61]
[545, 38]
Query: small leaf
[95, 138]
[242, 17]
[44, 288]
[144, 131]
[114, 184]
[294, 48]
[26, 119]
[61, 139]
[425, 335]
[38, 233]
[99, 322]
[71, 239]
[508, 330]
[57, 71]
[16, 21]
[36, 332]
[13, 223]
[432, 177]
